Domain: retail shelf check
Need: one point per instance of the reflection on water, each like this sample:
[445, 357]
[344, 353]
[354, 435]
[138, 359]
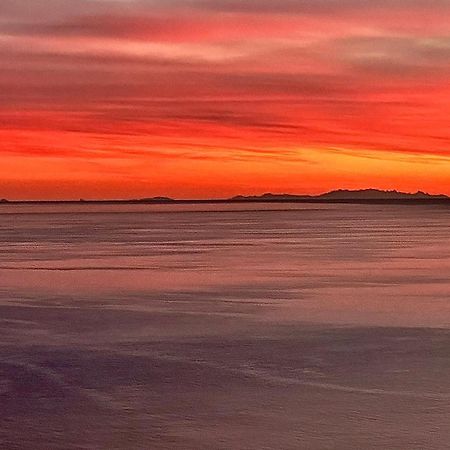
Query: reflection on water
[224, 326]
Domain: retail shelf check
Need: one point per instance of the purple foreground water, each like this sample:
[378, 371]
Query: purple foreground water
[225, 327]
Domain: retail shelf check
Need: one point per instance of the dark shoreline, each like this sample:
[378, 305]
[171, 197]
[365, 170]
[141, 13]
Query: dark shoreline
[436, 201]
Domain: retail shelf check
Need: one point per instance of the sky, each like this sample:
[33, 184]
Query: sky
[214, 98]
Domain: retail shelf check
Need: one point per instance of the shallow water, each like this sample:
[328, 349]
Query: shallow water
[224, 327]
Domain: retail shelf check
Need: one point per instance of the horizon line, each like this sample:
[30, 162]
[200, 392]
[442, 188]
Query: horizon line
[419, 195]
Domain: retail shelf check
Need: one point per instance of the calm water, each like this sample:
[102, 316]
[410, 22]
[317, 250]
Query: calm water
[225, 327]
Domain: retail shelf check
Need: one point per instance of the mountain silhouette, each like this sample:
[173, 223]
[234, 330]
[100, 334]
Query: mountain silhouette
[345, 194]
[336, 196]
[377, 194]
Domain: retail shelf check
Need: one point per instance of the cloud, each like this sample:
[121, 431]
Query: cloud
[322, 7]
[400, 56]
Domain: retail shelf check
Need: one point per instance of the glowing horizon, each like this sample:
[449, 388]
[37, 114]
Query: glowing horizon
[214, 98]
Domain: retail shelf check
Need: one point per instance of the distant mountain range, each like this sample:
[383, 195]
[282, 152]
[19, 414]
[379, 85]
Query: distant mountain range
[345, 195]
[338, 196]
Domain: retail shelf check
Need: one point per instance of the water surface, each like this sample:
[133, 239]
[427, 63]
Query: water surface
[224, 326]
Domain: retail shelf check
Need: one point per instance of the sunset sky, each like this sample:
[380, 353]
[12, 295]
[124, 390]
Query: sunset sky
[213, 98]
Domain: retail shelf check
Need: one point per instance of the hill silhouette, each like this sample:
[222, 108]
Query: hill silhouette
[377, 194]
[346, 195]
[337, 196]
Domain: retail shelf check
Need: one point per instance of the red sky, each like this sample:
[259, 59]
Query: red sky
[212, 98]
